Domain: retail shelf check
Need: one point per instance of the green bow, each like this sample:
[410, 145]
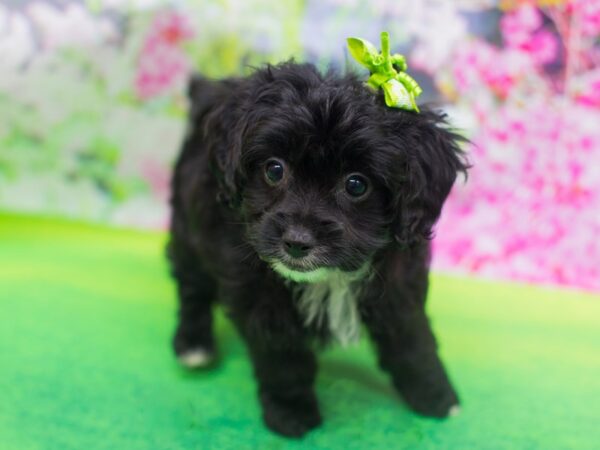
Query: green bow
[388, 72]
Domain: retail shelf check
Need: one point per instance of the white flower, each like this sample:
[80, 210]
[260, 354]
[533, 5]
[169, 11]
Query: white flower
[16, 40]
[126, 5]
[438, 28]
[72, 25]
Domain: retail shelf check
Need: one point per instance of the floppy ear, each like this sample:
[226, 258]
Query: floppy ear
[434, 158]
[217, 127]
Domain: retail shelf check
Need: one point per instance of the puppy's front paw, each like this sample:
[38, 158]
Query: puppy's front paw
[192, 351]
[290, 416]
[196, 358]
[431, 400]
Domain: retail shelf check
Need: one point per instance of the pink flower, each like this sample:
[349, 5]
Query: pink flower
[158, 178]
[519, 24]
[470, 61]
[542, 47]
[590, 94]
[529, 210]
[162, 63]
[521, 31]
[170, 28]
[588, 13]
[158, 70]
[480, 65]
[500, 77]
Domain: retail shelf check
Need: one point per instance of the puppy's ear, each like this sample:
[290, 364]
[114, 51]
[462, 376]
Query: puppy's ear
[433, 160]
[217, 127]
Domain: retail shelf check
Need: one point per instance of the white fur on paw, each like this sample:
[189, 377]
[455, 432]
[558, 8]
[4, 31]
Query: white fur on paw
[195, 358]
[454, 411]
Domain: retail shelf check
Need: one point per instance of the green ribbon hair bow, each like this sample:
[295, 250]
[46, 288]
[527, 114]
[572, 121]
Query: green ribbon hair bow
[388, 72]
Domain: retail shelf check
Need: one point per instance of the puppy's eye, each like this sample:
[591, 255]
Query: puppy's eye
[274, 171]
[356, 185]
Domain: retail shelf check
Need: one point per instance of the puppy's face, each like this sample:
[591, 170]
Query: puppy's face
[326, 175]
[313, 203]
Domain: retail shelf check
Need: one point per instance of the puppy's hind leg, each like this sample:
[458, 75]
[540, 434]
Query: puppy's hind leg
[193, 341]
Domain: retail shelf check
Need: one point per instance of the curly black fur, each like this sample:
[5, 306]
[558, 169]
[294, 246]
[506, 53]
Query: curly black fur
[228, 221]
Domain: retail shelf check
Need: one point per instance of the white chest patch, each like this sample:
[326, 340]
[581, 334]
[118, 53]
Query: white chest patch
[330, 299]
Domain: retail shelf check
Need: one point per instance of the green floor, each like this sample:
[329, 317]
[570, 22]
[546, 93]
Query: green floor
[86, 315]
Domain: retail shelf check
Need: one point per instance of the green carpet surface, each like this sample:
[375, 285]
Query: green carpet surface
[86, 315]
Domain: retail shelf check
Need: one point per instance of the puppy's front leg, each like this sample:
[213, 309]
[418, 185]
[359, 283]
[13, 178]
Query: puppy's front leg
[396, 320]
[284, 365]
[286, 378]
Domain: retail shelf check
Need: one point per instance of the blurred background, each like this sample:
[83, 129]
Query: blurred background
[93, 106]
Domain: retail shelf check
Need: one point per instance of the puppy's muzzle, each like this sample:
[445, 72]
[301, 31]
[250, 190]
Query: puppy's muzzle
[298, 241]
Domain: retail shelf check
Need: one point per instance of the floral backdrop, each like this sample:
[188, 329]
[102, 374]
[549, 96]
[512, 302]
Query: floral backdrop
[92, 109]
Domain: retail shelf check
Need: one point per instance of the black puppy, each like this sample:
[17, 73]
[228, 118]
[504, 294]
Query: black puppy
[305, 205]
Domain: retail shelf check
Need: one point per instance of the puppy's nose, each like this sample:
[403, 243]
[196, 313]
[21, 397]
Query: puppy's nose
[298, 242]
